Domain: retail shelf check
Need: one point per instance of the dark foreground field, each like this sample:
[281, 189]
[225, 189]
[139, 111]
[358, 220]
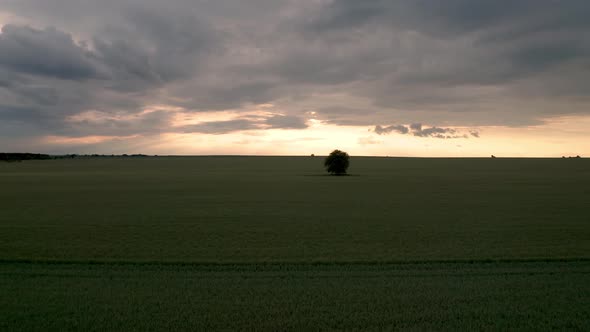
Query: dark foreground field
[432, 296]
[269, 242]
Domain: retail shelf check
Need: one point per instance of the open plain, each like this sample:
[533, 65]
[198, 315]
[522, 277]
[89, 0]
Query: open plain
[271, 243]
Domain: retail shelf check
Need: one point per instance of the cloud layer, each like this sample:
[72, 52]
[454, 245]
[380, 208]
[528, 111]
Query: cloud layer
[345, 62]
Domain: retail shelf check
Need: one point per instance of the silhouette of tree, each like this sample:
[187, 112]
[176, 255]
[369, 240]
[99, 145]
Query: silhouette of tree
[337, 162]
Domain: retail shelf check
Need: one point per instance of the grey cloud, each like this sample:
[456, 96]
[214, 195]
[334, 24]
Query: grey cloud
[439, 45]
[46, 73]
[151, 123]
[58, 99]
[227, 95]
[246, 123]
[418, 130]
[221, 127]
[437, 132]
[18, 113]
[286, 122]
[342, 110]
[312, 65]
[453, 60]
[416, 127]
[395, 128]
[445, 63]
[46, 52]
[348, 116]
[40, 95]
[154, 49]
[451, 16]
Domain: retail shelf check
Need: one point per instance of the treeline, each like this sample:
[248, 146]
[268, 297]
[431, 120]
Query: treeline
[70, 156]
[104, 156]
[23, 156]
[39, 156]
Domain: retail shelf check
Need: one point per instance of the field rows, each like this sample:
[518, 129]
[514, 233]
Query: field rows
[281, 209]
[270, 243]
[451, 296]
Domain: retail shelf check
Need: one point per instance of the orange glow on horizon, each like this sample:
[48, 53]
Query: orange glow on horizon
[61, 140]
[566, 136]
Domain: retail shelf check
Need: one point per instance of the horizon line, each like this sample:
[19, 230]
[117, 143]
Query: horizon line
[298, 155]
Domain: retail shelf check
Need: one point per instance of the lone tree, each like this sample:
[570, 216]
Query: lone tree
[337, 162]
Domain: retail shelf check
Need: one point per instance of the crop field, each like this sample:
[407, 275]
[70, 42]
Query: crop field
[271, 243]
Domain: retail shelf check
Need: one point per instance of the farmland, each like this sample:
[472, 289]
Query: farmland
[271, 242]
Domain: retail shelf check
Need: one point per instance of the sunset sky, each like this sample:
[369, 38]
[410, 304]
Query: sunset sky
[458, 78]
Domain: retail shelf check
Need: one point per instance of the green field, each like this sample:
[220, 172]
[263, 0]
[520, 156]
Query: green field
[273, 243]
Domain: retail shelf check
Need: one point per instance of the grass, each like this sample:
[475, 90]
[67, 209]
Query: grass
[232, 209]
[264, 242]
[431, 296]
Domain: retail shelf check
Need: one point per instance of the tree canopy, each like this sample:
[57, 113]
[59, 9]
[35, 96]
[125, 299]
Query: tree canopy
[337, 162]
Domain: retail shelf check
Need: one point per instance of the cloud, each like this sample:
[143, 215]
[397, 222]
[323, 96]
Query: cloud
[220, 127]
[437, 133]
[418, 130]
[416, 126]
[153, 49]
[455, 63]
[449, 17]
[459, 60]
[96, 123]
[47, 52]
[395, 128]
[49, 75]
[286, 122]
[245, 124]
[348, 116]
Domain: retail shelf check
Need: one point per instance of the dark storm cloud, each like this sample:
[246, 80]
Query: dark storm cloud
[454, 62]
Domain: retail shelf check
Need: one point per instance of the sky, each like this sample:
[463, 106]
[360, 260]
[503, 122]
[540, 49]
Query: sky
[425, 78]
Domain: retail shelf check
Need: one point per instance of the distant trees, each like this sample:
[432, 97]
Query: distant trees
[38, 156]
[23, 156]
[337, 162]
